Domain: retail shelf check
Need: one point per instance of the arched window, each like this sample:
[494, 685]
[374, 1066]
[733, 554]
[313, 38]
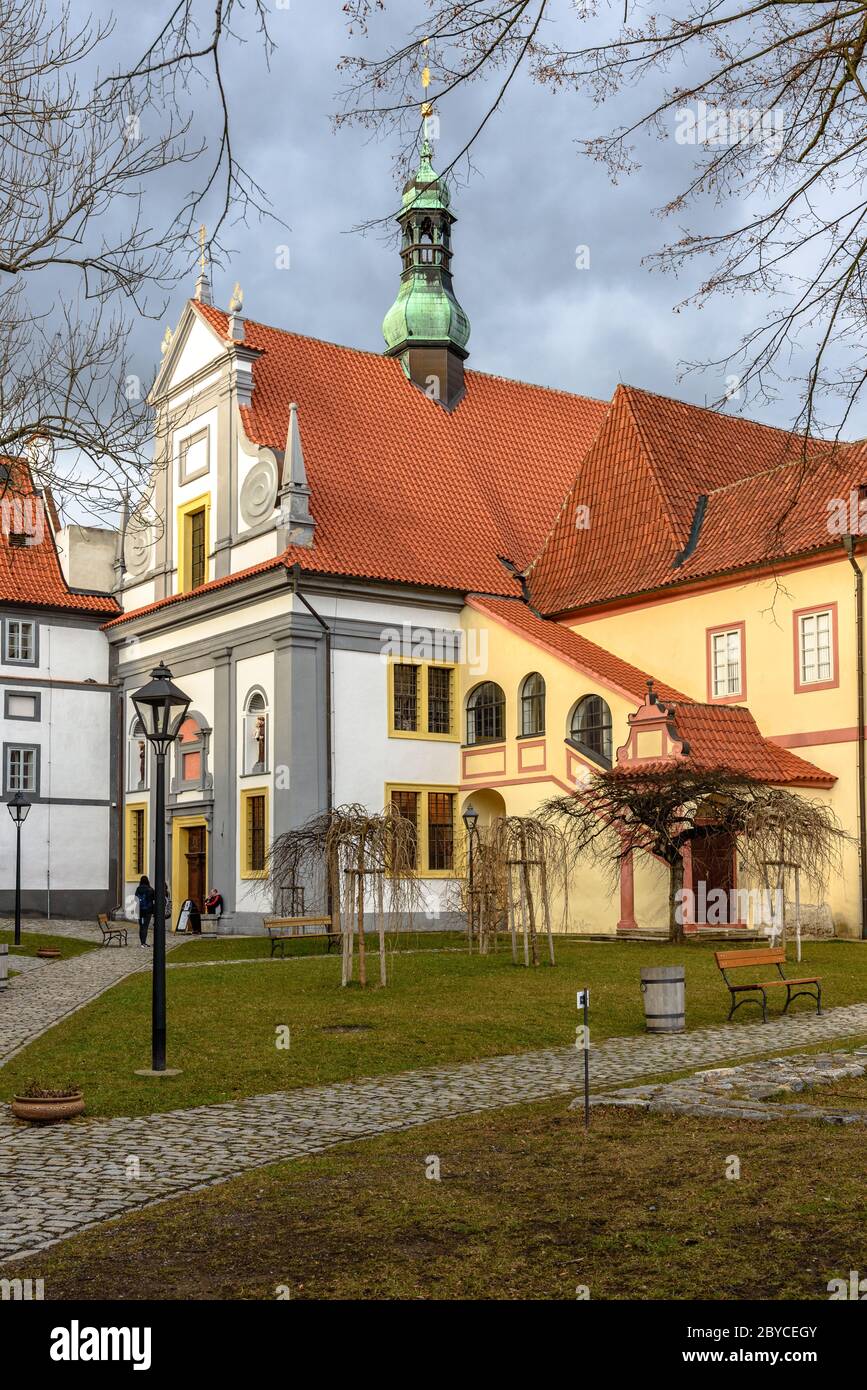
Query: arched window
[255, 733]
[533, 704]
[486, 714]
[591, 728]
[137, 758]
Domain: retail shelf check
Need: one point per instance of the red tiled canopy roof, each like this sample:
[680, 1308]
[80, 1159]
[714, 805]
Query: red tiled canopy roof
[31, 574]
[641, 480]
[727, 736]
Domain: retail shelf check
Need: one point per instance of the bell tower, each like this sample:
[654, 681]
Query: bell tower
[426, 326]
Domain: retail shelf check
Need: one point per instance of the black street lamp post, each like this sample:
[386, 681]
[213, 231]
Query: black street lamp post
[469, 818]
[162, 708]
[18, 808]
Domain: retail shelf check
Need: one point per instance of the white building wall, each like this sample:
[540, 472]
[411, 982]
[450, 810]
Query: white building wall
[66, 838]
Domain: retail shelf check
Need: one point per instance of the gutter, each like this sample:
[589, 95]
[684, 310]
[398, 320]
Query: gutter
[295, 576]
[849, 543]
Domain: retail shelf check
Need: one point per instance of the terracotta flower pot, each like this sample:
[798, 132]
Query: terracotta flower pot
[48, 1109]
[49, 952]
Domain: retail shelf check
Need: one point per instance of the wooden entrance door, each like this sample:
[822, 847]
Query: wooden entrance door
[196, 865]
[713, 863]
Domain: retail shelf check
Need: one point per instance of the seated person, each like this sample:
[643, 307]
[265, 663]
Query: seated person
[214, 904]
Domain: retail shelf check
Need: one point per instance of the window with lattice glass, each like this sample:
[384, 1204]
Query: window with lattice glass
[21, 770]
[439, 700]
[256, 833]
[137, 841]
[196, 521]
[440, 832]
[726, 663]
[406, 805]
[406, 682]
[816, 644]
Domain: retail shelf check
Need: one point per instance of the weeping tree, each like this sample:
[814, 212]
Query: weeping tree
[357, 862]
[661, 812]
[520, 882]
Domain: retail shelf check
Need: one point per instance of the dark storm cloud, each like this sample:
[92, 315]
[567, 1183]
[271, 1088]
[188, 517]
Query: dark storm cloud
[530, 201]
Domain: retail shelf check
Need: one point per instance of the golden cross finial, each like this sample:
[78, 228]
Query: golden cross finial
[202, 235]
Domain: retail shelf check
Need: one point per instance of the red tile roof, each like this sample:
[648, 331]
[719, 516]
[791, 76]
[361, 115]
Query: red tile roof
[719, 735]
[641, 479]
[727, 736]
[31, 574]
[571, 647]
[402, 489]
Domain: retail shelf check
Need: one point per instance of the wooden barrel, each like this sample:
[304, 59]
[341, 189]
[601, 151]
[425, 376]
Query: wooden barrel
[663, 988]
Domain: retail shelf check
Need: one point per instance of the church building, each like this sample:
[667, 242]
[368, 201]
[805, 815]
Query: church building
[391, 579]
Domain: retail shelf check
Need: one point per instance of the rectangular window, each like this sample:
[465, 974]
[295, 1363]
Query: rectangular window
[20, 640]
[197, 547]
[816, 647]
[21, 770]
[193, 540]
[255, 822]
[439, 699]
[193, 456]
[406, 679]
[21, 706]
[441, 833]
[406, 804]
[726, 663]
[137, 842]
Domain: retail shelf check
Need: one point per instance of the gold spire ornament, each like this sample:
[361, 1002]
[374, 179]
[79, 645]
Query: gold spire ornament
[202, 235]
[167, 340]
[236, 303]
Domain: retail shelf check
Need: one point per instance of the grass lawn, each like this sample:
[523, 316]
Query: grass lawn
[259, 947]
[528, 1207]
[31, 942]
[439, 1007]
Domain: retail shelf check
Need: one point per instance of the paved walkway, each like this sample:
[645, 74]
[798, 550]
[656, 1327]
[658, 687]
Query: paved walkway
[36, 999]
[749, 1092]
[61, 1179]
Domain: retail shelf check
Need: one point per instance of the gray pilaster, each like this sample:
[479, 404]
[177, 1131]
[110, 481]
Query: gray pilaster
[223, 849]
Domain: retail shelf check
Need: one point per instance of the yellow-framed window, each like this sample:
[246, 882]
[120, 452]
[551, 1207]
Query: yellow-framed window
[422, 700]
[254, 832]
[136, 841]
[433, 812]
[194, 528]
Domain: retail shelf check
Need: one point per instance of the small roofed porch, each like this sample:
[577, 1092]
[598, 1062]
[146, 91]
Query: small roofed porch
[719, 894]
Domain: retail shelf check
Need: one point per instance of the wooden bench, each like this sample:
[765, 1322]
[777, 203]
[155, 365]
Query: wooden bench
[283, 929]
[754, 961]
[110, 931]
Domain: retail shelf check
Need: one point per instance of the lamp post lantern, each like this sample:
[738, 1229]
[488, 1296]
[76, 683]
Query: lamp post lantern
[470, 817]
[18, 807]
[162, 708]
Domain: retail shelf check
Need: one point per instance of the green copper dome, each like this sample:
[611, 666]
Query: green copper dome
[426, 311]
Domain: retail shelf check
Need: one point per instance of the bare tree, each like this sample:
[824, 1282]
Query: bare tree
[87, 151]
[773, 99]
[621, 812]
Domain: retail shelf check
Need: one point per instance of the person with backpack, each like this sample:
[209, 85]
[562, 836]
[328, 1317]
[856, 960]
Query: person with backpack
[145, 899]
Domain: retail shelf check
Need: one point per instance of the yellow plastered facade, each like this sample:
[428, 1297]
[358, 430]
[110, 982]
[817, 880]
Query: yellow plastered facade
[669, 639]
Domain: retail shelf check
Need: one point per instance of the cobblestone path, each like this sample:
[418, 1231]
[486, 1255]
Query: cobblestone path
[39, 997]
[749, 1092]
[61, 1179]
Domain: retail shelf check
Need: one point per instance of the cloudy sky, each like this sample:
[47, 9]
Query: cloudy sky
[529, 202]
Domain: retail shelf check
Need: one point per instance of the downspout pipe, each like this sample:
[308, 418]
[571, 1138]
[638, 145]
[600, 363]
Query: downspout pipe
[295, 576]
[850, 542]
